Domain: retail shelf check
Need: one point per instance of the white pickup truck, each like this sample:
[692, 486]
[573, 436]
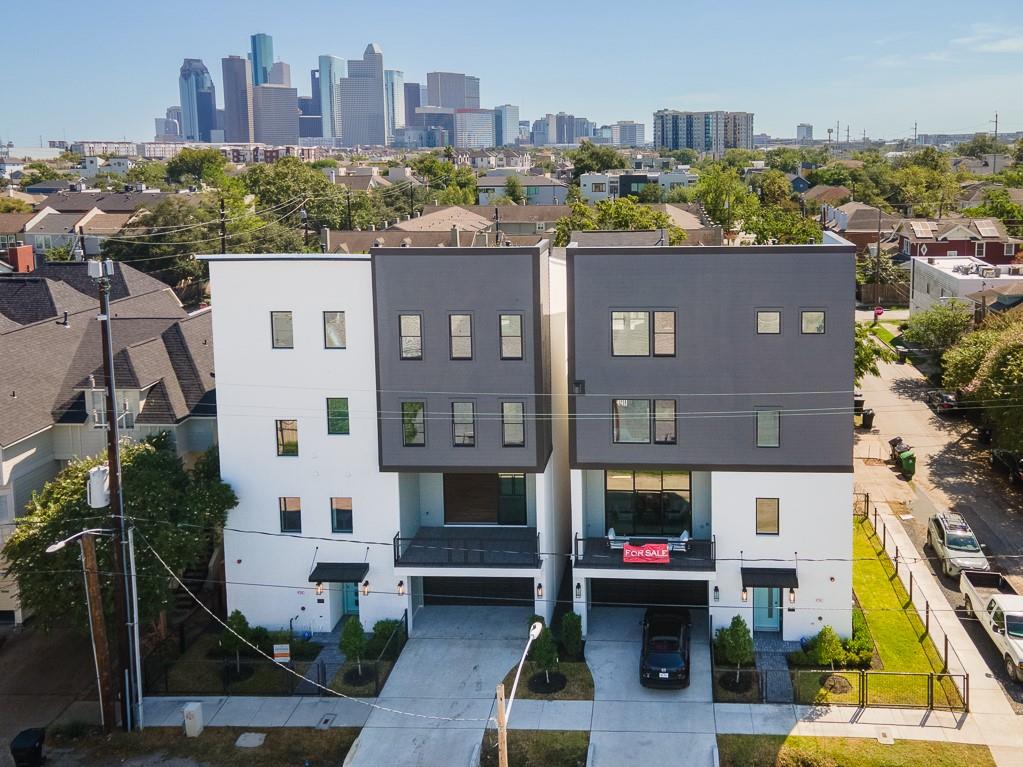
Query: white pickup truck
[992, 600]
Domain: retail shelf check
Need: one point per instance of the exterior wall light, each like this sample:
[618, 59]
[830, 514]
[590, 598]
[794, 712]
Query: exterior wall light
[745, 594]
[717, 594]
[539, 591]
[792, 596]
[319, 588]
[401, 588]
[365, 588]
[578, 591]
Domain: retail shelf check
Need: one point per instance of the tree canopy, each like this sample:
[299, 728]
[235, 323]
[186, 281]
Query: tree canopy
[622, 213]
[771, 224]
[594, 158]
[980, 145]
[998, 204]
[939, 328]
[197, 166]
[867, 354]
[724, 195]
[14, 205]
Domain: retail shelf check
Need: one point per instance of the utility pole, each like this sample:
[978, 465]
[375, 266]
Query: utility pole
[847, 133]
[914, 133]
[411, 200]
[348, 199]
[102, 271]
[223, 227]
[502, 729]
[98, 630]
[877, 265]
[994, 156]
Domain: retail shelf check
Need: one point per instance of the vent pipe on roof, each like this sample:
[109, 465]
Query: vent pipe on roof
[454, 236]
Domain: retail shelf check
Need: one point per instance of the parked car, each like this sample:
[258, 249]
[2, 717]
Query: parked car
[950, 537]
[664, 658]
[941, 401]
[1009, 462]
[997, 606]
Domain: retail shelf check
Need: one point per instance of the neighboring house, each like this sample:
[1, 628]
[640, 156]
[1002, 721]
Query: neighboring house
[101, 227]
[798, 183]
[617, 183]
[12, 227]
[973, 193]
[984, 238]
[539, 190]
[860, 223]
[987, 165]
[9, 167]
[91, 166]
[107, 202]
[51, 187]
[822, 194]
[468, 491]
[335, 241]
[934, 279]
[52, 407]
[55, 230]
[513, 219]
[358, 179]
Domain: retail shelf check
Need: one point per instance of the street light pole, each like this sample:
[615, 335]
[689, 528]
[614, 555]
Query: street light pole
[502, 714]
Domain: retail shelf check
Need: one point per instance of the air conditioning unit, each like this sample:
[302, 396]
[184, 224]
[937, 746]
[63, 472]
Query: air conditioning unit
[1015, 270]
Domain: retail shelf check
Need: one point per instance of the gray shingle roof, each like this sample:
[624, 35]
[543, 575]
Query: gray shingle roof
[108, 202]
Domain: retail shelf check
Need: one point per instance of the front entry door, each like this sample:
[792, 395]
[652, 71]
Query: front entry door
[350, 598]
[767, 609]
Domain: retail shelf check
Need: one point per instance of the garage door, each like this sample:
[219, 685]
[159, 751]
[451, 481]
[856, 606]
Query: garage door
[611, 591]
[478, 591]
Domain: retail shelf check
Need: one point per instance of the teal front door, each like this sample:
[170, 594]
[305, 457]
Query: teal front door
[350, 598]
[767, 609]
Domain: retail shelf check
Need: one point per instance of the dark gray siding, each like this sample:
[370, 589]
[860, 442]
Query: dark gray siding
[483, 282]
[723, 370]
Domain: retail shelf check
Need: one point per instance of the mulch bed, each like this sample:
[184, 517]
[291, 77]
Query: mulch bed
[538, 683]
[354, 678]
[744, 683]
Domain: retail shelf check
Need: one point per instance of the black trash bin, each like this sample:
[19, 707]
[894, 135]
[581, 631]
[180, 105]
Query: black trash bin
[27, 747]
[858, 401]
[868, 418]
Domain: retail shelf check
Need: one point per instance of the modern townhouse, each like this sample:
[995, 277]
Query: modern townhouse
[710, 415]
[386, 421]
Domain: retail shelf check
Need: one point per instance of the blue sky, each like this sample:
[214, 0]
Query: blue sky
[106, 71]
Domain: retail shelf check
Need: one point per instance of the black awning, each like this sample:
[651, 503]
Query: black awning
[775, 577]
[339, 572]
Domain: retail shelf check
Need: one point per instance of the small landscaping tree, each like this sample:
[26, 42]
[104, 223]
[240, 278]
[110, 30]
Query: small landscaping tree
[545, 653]
[572, 634]
[736, 644]
[353, 641]
[828, 648]
[233, 638]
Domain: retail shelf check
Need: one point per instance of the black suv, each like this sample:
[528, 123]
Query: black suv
[664, 659]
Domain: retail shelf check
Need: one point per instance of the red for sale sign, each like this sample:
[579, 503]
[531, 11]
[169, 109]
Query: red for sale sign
[651, 553]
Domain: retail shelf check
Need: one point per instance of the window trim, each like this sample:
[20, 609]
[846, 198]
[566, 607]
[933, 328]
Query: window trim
[501, 336]
[404, 441]
[649, 419]
[674, 422]
[654, 333]
[777, 412]
[347, 417]
[803, 331]
[452, 337]
[401, 337]
[344, 344]
[281, 508]
[351, 515]
[279, 433]
[273, 313]
[756, 321]
[472, 405]
[777, 516]
[649, 331]
[505, 423]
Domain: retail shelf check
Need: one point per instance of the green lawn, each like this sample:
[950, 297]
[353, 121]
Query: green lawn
[797, 751]
[578, 686]
[882, 332]
[195, 672]
[539, 748]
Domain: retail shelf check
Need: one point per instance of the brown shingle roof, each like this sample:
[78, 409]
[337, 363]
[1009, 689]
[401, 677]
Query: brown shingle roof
[13, 223]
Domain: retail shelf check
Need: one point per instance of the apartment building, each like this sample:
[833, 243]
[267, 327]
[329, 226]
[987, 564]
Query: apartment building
[619, 183]
[386, 423]
[710, 479]
[706, 132]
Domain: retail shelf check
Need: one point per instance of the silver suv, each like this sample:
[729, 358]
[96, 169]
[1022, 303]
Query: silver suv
[951, 538]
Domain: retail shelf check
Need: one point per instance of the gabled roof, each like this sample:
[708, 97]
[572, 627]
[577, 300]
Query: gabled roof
[442, 219]
[108, 202]
[825, 193]
[13, 223]
[954, 228]
[55, 223]
[510, 214]
[107, 224]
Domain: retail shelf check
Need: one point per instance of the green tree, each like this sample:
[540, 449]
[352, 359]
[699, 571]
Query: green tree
[740, 159]
[324, 162]
[879, 270]
[680, 194]
[961, 363]
[998, 204]
[927, 192]
[773, 187]
[173, 510]
[1017, 152]
[828, 648]
[513, 190]
[773, 225]
[867, 353]
[572, 634]
[831, 175]
[593, 158]
[939, 328]
[735, 644]
[724, 195]
[784, 159]
[684, 156]
[980, 145]
[651, 193]
[544, 653]
[235, 637]
[198, 166]
[353, 641]
[59, 253]
[34, 172]
[448, 184]
[151, 173]
[14, 205]
[615, 215]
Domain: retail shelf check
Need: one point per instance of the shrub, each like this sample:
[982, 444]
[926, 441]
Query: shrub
[734, 644]
[260, 637]
[353, 641]
[544, 652]
[232, 640]
[377, 644]
[572, 634]
[534, 619]
[828, 649]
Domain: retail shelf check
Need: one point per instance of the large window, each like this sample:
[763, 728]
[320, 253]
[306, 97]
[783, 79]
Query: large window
[341, 515]
[768, 322]
[461, 336]
[768, 428]
[337, 415]
[334, 334]
[287, 437]
[410, 326]
[665, 422]
[511, 501]
[767, 516]
[413, 424]
[513, 427]
[812, 322]
[463, 424]
[648, 502]
[282, 334]
[630, 420]
[633, 335]
[291, 514]
[511, 336]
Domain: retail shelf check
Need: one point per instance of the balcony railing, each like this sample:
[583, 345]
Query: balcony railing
[692, 554]
[468, 547]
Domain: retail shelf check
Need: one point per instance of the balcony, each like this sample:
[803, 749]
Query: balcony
[693, 554]
[469, 547]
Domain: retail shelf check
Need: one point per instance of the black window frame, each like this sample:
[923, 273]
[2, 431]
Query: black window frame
[279, 430]
[615, 424]
[401, 338]
[334, 528]
[777, 516]
[824, 322]
[654, 334]
[656, 419]
[281, 505]
[777, 413]
[452, 337]
[422, 431]
[455, 424]
[521, 510]
[505, 423]
[347, 417]
[639, 505]
[273, 331]
[757, 322]
[501, 336]
[649, 331]
[344, 323]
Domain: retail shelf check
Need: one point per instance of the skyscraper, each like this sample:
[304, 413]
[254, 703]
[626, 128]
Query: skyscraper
[474, 128]
[198, 101]
[453, 90]
[394, 100]
[804, 132]
[363, 113]
[412, 101]
[262, 58]
[275, 113]
[314, 91]
[738, 130]
[280, 74]
[506, 124]
[628, 133]
[332, 70]
[238, 115]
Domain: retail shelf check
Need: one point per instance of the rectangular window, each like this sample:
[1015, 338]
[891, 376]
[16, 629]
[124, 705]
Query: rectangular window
[979, 249]
[461, 336]
[337, 415]
[1009, 249]
[513, 427]
[630, 334]
[664, 334]
[511, 336]
[768, 322]
[511, 500]
[599, 187]
[767, 516]
[411, 330]
[631, 420]
[647, 502]
[463, 424]
[99, 408]
[768, 428]
[334, 336]
[341, 515]
[282, 333]
[413, 424]
[291, 514]
[665, 429]
[287, 437]
[812, 322]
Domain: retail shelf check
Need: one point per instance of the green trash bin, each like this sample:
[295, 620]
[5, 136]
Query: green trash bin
[907, 461]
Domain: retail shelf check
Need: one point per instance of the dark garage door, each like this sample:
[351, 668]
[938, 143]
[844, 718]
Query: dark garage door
[478, 591]
[611, 592]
